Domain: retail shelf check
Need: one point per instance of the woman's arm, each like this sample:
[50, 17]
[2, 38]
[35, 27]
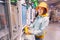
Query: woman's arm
[41, 27]
[32, 25]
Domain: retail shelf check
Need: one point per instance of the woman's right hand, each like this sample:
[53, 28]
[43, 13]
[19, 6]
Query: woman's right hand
[26, 30]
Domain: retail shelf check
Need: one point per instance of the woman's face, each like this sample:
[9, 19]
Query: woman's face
[40, 11]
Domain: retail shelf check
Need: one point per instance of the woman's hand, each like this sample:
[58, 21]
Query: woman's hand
[26, 30]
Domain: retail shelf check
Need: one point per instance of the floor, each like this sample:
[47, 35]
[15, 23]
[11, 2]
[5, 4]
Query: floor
[53, 32]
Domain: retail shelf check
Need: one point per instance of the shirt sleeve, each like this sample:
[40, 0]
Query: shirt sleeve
[35, 27]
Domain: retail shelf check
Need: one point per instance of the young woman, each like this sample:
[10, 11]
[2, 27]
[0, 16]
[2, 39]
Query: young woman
[40, 23]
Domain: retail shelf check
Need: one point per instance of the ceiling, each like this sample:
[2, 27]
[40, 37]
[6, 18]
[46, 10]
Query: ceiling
[50, 1]
[55, 3]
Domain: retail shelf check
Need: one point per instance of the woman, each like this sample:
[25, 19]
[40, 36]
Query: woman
[40, 23]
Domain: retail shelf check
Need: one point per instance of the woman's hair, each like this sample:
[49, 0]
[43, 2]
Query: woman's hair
[36, 14]
[44, 11]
